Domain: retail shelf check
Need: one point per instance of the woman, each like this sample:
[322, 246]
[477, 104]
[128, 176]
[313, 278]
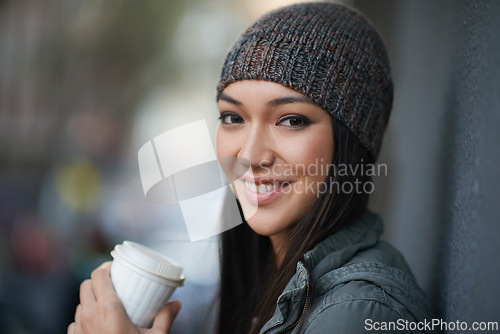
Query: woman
[304, 90]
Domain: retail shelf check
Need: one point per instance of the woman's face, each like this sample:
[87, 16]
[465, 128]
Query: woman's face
[288, 143]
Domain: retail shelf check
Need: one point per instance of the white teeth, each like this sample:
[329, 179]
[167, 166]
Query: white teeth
[261, 188]
[251, 186]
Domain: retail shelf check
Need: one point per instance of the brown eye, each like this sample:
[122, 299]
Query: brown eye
[231, 119]
[294, 121]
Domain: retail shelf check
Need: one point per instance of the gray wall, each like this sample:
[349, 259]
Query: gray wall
[469, 288]
[441, 148]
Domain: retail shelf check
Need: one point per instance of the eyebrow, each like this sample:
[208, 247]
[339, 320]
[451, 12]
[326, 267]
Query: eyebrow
[227, 98]
[290, 99]
[274, 102]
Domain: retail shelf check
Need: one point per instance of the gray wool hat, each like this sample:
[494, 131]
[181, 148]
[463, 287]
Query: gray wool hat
[327, 52]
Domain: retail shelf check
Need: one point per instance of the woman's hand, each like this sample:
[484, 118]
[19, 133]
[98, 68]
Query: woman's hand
[101, 311]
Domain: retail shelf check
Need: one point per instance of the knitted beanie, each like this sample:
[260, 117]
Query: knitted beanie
[327, 52]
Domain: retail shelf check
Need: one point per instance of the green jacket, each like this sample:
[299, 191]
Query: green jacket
[356, 284]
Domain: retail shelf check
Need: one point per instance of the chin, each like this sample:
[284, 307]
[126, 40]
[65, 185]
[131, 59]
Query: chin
[261, 230]
[267, 225]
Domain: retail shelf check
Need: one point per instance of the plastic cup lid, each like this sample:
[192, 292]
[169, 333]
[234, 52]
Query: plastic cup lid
[150, 261]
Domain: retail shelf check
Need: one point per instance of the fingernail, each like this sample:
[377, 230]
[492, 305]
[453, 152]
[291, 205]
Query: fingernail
[175, 307]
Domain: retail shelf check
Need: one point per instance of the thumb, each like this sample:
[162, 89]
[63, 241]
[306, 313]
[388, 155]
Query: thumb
[164, 319]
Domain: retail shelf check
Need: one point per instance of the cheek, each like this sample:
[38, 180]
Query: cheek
[218, 143]
[315, 148]
[227, 150]
[223, 144]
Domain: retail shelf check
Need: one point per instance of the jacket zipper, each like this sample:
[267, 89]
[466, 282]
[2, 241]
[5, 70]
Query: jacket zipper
[301, 315]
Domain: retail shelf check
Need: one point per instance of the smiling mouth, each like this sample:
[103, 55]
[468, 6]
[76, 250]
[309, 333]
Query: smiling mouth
[263, 188]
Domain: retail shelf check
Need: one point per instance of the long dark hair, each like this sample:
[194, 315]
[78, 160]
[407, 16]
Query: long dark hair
[251, 281]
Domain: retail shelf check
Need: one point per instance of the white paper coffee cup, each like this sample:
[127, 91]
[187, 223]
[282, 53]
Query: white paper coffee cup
[144, 280]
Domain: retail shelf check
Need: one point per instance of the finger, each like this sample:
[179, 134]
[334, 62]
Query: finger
[164, 319]
[86, 292]
[78, 313]
[71, 328]
[101, 282]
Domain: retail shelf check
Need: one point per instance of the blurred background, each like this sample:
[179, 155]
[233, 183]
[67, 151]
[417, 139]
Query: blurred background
[84, 84]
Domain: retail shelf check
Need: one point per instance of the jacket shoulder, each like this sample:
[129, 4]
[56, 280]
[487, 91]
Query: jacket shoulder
[359, 307]
[374, 289]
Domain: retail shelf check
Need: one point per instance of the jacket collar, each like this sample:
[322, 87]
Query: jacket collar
[339, 248]
[329, 254]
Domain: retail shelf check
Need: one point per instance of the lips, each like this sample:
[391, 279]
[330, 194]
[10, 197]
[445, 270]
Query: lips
[263, 191]
[262, 188]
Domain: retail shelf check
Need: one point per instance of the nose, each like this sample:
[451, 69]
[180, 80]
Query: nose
[256, 148]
